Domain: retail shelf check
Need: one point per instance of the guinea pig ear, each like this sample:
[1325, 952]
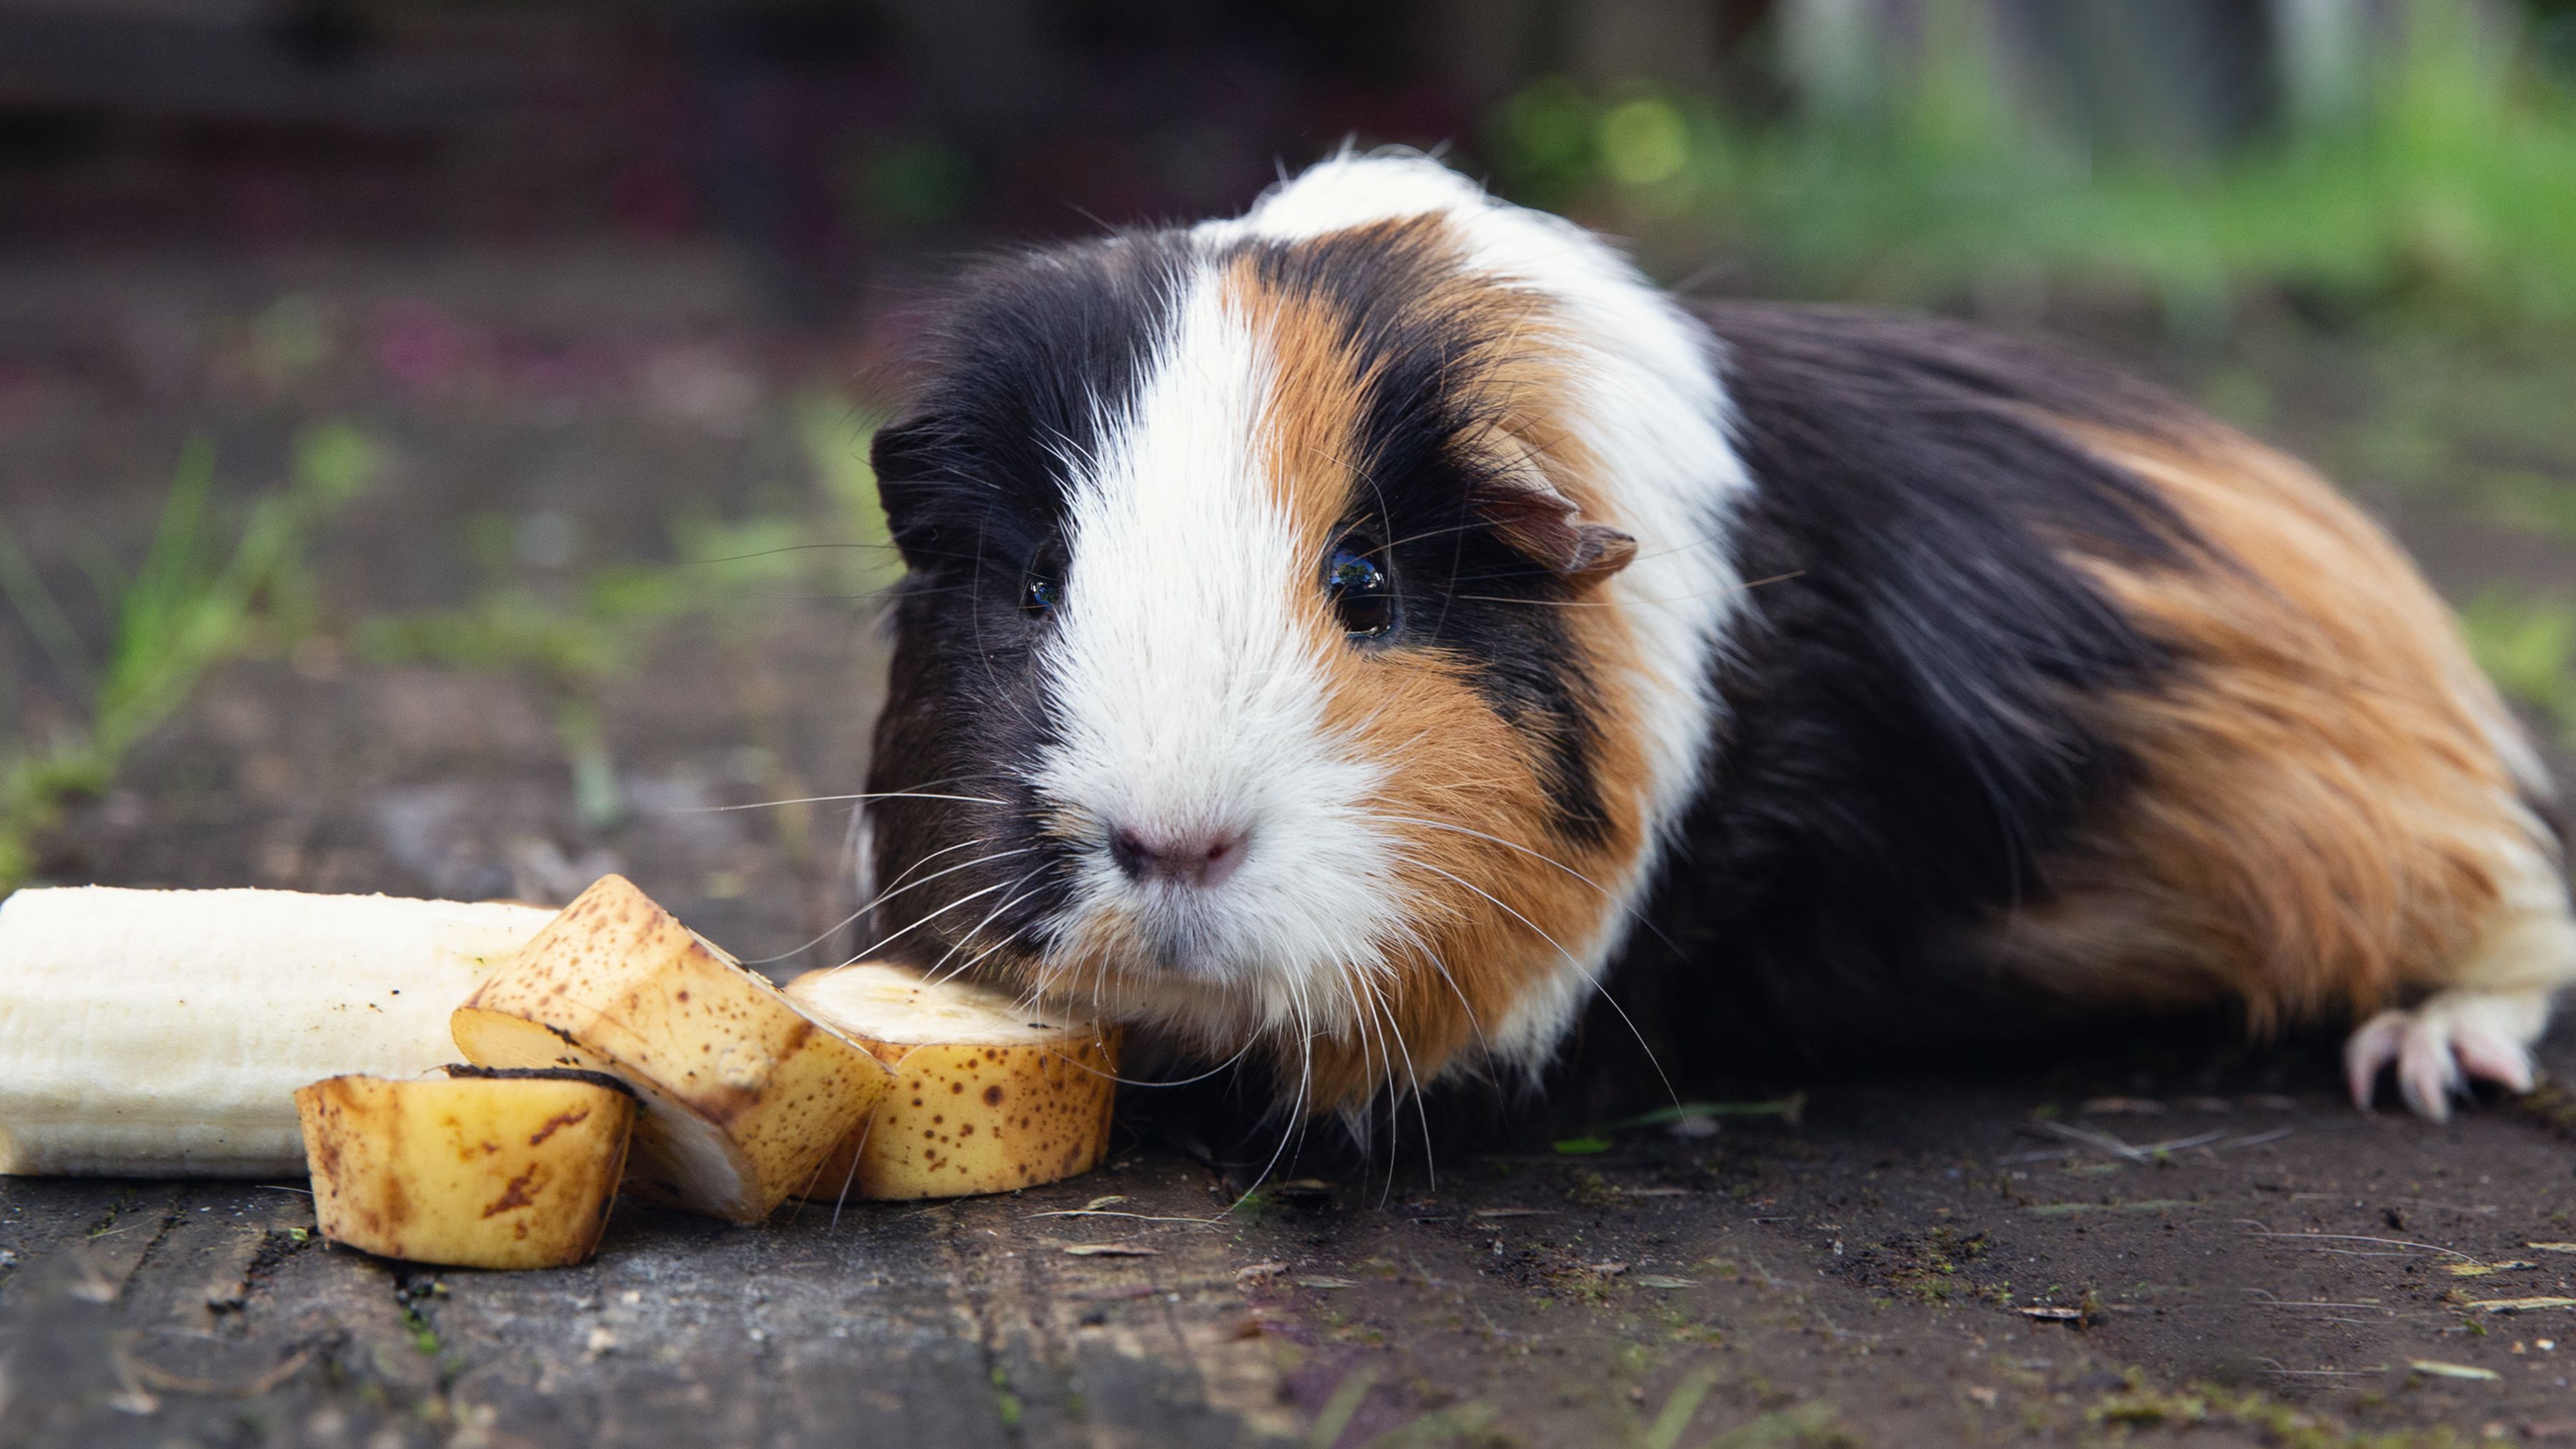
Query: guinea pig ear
[899, 446]
[904, 455]
[1540, 523]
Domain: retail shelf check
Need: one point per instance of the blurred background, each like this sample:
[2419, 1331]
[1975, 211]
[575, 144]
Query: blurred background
[432, 432]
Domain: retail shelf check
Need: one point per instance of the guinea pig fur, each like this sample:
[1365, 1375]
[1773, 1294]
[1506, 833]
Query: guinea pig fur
[1346, 635]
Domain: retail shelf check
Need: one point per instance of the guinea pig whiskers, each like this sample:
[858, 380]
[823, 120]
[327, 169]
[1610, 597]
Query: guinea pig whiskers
[996, 946]
[1589, 978]
[898, 888]
[1293, 1128]
[1392, 1032]
[1442, 967]
[1356, 1119]
[1030, 1001]
[782, 548]
[1627, 603]
[1471, 526]
[844, 922]
[991, 916]
[1493, 839]
[967, 936]
[883, 941]
[1632, 912]
[836, 799]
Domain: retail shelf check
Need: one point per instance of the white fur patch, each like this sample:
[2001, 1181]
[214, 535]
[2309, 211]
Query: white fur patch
[1189, 699]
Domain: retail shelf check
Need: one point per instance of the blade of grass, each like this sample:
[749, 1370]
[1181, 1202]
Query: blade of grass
[44, 618]
[160, 582]
[175, 620]
[1788, 1108]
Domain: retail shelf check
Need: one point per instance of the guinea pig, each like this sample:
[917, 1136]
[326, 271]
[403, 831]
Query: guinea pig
[1342, 637]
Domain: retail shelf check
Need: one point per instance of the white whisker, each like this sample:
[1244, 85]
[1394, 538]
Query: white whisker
[932, 975]
[831, 799]
[883, 941]
[895, 890]
[1632, 912]
[1589, 979]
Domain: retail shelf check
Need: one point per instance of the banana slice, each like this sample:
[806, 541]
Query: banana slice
[989, 1096]
[478, 1168]
[164, 1033]
[743, 1096]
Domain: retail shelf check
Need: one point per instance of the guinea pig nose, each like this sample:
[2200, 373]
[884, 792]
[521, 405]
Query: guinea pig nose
[1198, 858]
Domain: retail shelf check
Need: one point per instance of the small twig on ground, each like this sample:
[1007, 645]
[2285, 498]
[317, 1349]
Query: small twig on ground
[2142, 1154]
[2273, 1366]
[2362, 1238]
[2485, 1210]
[2266, 1300]
[1132, 1217]
[2102, 1141]
[168, 1382]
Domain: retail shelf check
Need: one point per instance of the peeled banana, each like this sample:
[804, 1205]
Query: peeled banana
[164, 1033]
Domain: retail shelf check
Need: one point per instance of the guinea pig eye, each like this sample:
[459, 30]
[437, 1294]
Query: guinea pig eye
[1041, 594]
[1358, 589]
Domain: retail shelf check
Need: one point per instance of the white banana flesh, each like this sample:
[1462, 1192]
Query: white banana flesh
[164, 1033]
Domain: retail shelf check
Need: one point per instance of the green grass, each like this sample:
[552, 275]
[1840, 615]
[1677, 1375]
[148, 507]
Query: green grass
[191, 603]
[187, 606]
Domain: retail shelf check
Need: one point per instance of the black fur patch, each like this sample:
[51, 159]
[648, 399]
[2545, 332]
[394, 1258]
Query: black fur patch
[974, 481]
[1904, 746]
[1021, 371]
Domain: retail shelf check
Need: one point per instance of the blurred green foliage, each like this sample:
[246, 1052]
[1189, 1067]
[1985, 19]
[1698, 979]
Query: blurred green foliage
[2402, 267]
[2528, 647]
[2452, 187]
[186, 607]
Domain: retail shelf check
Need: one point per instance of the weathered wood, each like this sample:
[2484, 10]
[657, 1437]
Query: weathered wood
[1860, 1272]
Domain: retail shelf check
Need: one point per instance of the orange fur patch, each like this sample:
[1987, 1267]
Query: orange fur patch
[2324, 815]
[1498, 902]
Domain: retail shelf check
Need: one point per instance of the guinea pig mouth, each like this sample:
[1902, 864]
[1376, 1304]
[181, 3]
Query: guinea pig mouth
[1169, 942]
[1155, 931]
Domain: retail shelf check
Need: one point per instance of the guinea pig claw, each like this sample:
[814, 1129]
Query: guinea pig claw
[2427, 1075]
[2368, 1052]
[2489, 1057]
[2439, 1050]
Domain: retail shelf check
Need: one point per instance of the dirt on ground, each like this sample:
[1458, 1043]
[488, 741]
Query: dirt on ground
[2176, 1241]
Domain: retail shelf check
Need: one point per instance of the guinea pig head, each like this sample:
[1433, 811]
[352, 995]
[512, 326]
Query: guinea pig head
[1259, 676]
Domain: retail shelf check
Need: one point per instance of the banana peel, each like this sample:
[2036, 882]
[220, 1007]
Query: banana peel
[475, 1169]
[744, 1097]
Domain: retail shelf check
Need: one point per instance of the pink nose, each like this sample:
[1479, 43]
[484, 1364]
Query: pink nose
[1200, 858]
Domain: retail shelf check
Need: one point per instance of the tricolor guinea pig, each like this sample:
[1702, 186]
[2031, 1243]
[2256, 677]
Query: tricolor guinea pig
[1346, 636]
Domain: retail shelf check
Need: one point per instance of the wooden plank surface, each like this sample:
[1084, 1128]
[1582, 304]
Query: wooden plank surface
[1860, 1276]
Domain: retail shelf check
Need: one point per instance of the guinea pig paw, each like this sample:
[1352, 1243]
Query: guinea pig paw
[2439, 1050]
